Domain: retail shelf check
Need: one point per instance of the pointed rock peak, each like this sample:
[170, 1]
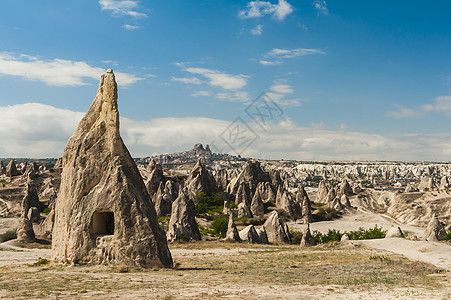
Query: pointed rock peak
[103, 208]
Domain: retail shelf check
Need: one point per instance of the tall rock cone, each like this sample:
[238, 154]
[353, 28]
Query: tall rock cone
[103, 213]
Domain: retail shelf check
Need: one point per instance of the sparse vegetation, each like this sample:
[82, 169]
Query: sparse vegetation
[9, 235]
[164, 222]
[209, 204]
[361, 234]
[352, 270]
[331, 236]
[448, 236]
[219, 226]
[46, 210]
[41, 262]
[325, 214]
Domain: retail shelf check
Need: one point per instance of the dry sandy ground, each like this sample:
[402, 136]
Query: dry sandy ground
[200, 278]
[190, 283]
[438, 254]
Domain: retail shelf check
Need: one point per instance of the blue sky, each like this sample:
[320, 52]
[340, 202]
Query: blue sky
[354, 79]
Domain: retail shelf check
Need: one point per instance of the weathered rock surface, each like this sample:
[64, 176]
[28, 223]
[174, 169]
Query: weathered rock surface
[200, 180]
[304, 200]
[33, 215]
[25, 231]
[11, 169]
[427, 184]
[243, 211]
[183, 219]
[435, 231]
[346, 189]
[284, 201]
[156, 177]
[257, 208]
[252, 174]
[250, 235]
[276, 231]
[232, 231]
[103, 213]
[394, 232]
[31, 199]
[162, 201]
[307, 238]
[243, 195]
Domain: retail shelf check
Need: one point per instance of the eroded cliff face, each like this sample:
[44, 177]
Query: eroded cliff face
[103, 213]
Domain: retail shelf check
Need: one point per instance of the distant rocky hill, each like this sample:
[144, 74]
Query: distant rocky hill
[190, 157]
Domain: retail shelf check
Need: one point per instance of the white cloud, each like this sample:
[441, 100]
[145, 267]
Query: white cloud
[44, 131]
[192, 80]
[257, 9]
[441, 104]
[220, 79]
[270, 63]
[239, 96]
[279, 99]
[201, 94]
[321, 7]
[278, 56]
[282, 88]
[57, 72]
[402, 112]
[257, 30]
[130, 27]
[122, 8]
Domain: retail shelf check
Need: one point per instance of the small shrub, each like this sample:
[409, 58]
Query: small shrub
[205, 231]
[380, 258]
[326, 214]
[164, 222]
[296, 237]
[220, 226]
[233, 205]
[46, 210]
[331, 236]
[41, 262]
[448, 236]
[122, 269]
[211, 204]
[361, 234]
[9, 235]
[367, 234]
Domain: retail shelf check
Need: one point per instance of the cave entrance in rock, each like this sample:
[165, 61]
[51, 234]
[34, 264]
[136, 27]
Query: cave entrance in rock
[102, 223]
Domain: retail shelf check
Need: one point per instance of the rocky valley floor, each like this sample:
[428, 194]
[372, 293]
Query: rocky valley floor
[377, 269]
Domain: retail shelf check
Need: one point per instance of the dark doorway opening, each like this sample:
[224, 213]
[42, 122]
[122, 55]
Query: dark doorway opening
[102, 223]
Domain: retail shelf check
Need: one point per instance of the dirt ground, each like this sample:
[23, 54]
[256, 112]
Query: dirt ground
[374, 269]
[215, 270]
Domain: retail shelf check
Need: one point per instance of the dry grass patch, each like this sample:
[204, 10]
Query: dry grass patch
[202, 273]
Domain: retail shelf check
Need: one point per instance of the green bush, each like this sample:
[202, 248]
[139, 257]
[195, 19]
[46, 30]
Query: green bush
[164, 222]
[9, 235]
[41, 262]
[210, 204]
[296, 237]
[448, 236]
[220, 226]
[367, 234]
[46, 210]
[331, 236]
[361, 234]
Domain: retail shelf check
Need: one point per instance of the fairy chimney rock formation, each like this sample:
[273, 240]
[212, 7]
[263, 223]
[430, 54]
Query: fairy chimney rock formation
[103, 213]
[182, 224]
